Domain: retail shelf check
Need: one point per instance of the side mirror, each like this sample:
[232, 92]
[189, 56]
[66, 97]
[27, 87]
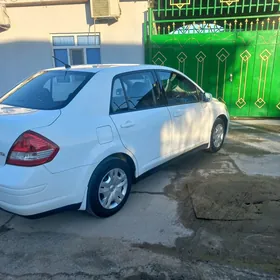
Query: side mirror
[207, 97]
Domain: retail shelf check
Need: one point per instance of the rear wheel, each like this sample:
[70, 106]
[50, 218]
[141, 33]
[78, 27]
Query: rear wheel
[109, 187]
[217, 136]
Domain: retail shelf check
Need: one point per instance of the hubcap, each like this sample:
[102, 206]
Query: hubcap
[113, 188]
[218, 135]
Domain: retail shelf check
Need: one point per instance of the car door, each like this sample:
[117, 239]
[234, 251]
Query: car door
[185, 110]
[138, 109]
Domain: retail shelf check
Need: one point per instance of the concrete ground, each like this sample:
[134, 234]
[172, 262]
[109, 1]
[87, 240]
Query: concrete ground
[203, 216]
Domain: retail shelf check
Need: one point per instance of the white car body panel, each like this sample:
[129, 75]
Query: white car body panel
[186, 121]
[213, 110]
[87, 134]
[147, 143]
[36, 190]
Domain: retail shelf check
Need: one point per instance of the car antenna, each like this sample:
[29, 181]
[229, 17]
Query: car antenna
[67, 66]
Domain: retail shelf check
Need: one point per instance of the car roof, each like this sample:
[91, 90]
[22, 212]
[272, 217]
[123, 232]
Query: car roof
[110, 68]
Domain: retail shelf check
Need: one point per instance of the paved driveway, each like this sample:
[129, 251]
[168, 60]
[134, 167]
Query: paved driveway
[203, 216]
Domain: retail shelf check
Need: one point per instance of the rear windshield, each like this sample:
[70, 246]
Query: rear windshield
[47, 90]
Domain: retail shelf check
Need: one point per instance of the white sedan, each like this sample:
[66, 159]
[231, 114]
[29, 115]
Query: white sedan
[78, 137]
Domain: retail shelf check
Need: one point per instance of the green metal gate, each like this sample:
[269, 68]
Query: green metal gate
[229, 47]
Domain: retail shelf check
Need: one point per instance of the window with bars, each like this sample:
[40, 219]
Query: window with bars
[76, 49]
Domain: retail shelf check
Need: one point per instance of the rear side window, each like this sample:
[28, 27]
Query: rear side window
[140, 90]
[47, 90]
[119, 103]
[135, 91]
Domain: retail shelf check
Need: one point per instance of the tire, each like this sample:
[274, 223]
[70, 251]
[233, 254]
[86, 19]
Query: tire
[215, 146]
[108, 172]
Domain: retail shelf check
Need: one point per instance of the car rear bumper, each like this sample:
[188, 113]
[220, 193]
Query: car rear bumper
[31, 191]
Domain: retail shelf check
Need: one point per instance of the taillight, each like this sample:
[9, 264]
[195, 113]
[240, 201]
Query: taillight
[32, 149]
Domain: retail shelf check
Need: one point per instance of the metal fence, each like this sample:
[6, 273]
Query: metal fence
[230, 47]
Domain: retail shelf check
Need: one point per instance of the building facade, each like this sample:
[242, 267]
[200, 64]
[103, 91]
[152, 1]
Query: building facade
[38, 31]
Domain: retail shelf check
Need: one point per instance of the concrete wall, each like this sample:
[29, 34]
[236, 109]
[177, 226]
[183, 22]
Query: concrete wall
[26, 47]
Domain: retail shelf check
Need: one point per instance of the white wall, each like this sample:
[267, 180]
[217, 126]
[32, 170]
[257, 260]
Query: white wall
[26, 47]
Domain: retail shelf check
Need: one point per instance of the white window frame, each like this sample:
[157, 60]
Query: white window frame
[75, 35]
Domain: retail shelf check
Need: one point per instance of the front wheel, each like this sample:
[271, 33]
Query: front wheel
[109, 188]
[217, 136]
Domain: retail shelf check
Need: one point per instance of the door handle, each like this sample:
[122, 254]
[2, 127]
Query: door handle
[127, 124]
[178, 113]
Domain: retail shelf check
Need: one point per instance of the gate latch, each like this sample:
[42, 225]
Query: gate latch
[230, 77]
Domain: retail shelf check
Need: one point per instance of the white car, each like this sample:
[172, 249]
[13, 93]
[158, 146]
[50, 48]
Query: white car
[78, 137]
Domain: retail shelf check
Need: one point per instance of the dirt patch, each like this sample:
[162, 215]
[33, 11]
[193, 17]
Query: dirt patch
[245, 149]
[247, 133]
[235, 219]
[158, 248]
[271, 128]
[146, 276]
[251, 251]
[233, 198]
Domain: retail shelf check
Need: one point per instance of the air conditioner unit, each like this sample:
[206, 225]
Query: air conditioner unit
[105, 9]
[4, 18]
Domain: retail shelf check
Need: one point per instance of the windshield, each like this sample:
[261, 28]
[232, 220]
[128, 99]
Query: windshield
[47, 90]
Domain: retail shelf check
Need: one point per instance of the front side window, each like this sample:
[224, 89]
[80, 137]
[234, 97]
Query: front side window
[178, 89]
[47, 90]
[140, 90]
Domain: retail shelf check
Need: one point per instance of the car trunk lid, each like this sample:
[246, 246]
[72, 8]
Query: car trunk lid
[15, 120]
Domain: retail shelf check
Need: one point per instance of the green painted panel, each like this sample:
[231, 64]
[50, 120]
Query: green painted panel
[274, 101]
[239, 68]
[243, 73]
[221, 61]
[262, 74]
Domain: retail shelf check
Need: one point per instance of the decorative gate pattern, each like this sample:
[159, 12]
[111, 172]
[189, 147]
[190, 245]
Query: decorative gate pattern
[262, 78]
[235, 58]
[200, 67]
[245, 56]
[222, 56]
